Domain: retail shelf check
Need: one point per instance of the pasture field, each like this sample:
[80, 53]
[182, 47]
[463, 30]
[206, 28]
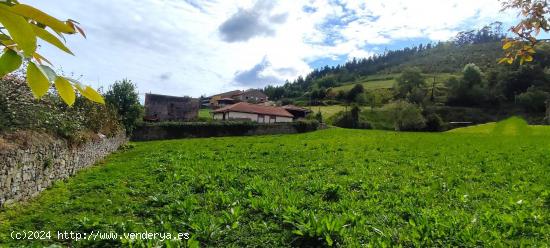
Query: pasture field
[331, 110]
[387, 81]
[334, 187]
[205, 113]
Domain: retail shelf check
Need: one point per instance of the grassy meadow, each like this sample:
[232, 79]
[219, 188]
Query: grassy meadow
[335, 187]
[387, 81]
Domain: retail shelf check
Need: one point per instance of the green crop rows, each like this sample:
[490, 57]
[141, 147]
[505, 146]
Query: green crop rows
[333, 187]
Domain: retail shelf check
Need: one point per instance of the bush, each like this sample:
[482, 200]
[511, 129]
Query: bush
[434, 123]
[351, 119]
[533, 100]
[20, 111]
[406, 116]
[179, 130]
[303, 126]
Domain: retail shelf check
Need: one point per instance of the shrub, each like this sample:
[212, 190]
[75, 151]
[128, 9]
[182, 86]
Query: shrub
[406, 116]
[351, 119]
[434, 123]
[533, 100]
[20, 111]
[319, 117]
[178, 130]
[303, 126]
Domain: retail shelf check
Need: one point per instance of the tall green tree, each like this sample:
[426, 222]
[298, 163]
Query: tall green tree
[409, 79]
[123, 96]
[469, 89]
[354, 93]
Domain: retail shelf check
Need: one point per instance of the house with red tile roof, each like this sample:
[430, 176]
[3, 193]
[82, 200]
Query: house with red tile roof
[253, 112]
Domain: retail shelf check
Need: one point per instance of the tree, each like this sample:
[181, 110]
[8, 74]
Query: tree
[468, 90]
[24, 25]
[353, 94]
[534, 20]
[410, 79]
[406, 116]
[319, 117]
[123, 96]
[548, 111]
[533, 100]
[472, 75]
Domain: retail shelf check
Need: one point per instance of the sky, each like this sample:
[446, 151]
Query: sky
[194, 48]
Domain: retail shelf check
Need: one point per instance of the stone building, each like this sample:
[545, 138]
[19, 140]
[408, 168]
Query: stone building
[170, 108]
[250, 96]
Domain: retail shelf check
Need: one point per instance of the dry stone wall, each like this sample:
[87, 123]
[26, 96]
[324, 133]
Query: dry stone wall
[25, 172]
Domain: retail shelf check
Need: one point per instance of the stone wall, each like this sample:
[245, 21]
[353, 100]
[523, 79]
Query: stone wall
[25, 172]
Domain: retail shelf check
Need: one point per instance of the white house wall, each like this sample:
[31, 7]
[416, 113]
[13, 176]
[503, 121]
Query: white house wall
[250, 116]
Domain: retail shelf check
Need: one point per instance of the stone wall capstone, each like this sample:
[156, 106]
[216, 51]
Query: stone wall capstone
[25, 172]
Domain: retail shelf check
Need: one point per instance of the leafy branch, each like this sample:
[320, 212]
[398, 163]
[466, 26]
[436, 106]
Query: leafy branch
[25, 25]
[522, 47]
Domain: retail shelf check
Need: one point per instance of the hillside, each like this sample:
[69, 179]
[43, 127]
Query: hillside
[387, 81]
[443, 58]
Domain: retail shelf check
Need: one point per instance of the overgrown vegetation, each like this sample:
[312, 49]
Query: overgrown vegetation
[19, 110]
[335, 187]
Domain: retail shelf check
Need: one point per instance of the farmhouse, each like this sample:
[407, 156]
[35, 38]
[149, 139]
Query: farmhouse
[170, 108]
[253, 112]
[222, 99]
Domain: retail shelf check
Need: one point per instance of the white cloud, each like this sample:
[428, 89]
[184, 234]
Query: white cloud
[176, 47]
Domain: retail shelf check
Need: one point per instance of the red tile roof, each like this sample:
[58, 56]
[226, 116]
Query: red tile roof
[244, 107]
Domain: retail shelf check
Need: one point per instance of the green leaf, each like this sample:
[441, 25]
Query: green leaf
[49, 72]
[65, 90]
[37, 81]
[19, 29]
[50, 38]
[88, 92]
[41, 17]
[9, 62]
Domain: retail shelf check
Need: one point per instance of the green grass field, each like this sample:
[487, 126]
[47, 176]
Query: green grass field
[331, 187]
[387, 81]
[205, 113]
[329, 111]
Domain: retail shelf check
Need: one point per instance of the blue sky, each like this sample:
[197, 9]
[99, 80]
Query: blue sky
[193, 47]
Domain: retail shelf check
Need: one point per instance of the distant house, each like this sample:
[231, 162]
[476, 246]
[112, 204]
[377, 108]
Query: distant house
[296, 111]
[251, 96]
[215, 98]
[226, 101]
[170, 108]
[252, 112]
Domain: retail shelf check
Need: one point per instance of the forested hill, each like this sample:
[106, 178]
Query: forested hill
[481, 47]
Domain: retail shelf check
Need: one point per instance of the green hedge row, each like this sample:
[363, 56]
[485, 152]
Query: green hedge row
[178, 130]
